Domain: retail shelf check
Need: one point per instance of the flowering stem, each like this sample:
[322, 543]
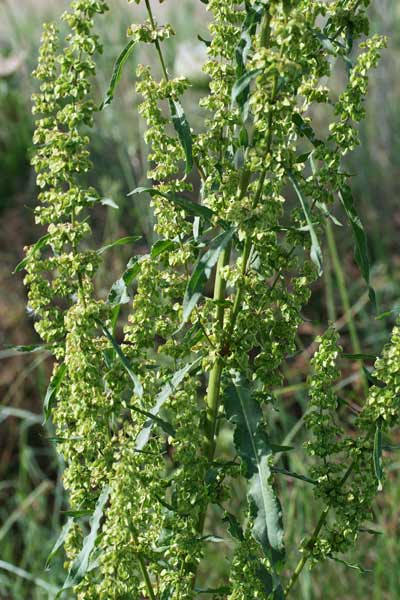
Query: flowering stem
[312, 541]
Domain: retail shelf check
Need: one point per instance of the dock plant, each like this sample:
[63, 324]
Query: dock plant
[215, 306]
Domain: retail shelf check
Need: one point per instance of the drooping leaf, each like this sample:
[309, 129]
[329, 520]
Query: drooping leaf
[254, 448]
[117, 72]
[316, 253]
[81, 564]
[129, 239]
[377, 454]
[202, 272]
[51, 393]
[167, 390]
[360, 239]
[192, 208]
[39, 244]
[123, 359]
[59, 542]
[182, 128]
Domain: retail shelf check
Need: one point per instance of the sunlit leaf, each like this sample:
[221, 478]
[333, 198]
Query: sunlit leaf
[117, 72]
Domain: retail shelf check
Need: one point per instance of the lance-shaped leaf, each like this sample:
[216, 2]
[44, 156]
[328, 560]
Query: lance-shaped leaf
[182, 128]
[167, 390]
[51, 393]
[118, 293]
[59, 542]
[39, 244]
[242, 85]
[80, 565]
[377, 454]
[123, 359]
[202, 272]
[360, 238]
[192, 208]
[129, 239]
[117, 72]
[316, 253]
[305, 129]
[254, 448]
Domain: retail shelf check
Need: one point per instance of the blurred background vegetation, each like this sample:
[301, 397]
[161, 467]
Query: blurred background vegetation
[32, 502]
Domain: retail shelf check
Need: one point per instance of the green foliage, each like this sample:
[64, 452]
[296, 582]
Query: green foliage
[150, 488]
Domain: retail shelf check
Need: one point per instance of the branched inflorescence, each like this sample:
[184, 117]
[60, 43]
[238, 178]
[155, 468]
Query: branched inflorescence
[138, 421]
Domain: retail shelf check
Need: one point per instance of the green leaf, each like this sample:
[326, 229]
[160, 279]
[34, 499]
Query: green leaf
[350, 565]
[234, 528]
[129, 239]
[167, 390]
[316, 253]
[360, 239]
[395, 311]
[118, 293]
[192, 208]
[360, 356]
[80, 565]
[182, 128]
[165, 426]
[254, 448]
[28, 349]
[59, 542]
[294, 475]
[377, 454]
[162, 246]
[243, 83]
[39, 244]
[124, 361]
[117, 72]
[202, 272]
[54, 386]
[305, 129]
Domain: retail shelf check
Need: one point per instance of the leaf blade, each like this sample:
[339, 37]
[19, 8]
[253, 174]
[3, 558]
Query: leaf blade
[117, 73]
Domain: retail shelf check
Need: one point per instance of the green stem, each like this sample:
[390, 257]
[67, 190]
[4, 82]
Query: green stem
[309, 546]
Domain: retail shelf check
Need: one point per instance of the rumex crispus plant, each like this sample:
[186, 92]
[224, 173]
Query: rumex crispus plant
[139, 406]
